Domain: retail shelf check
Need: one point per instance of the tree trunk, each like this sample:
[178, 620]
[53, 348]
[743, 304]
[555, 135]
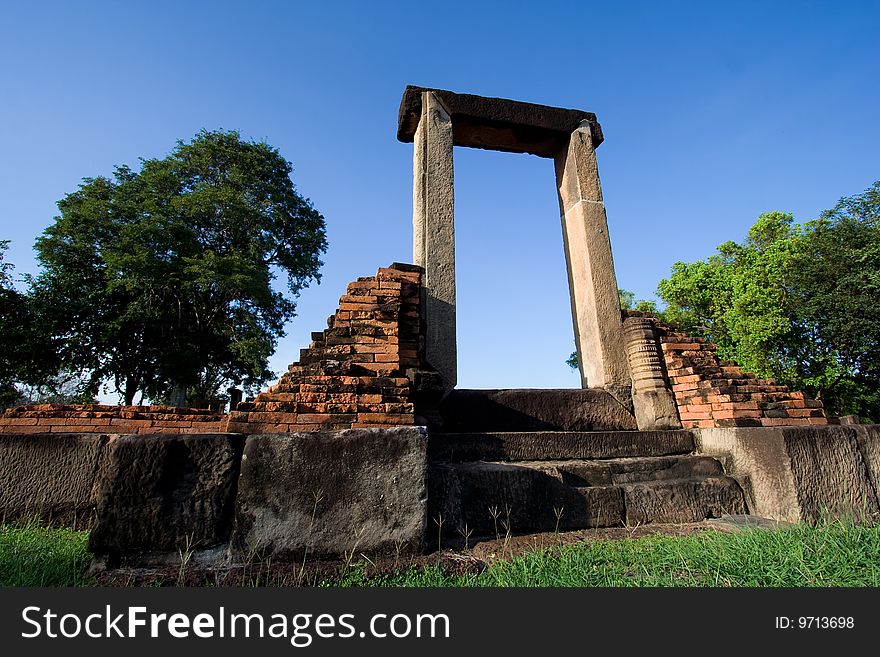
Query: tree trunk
[131, 389]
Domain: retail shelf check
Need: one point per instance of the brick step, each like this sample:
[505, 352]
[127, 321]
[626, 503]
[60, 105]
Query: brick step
[484, 498]
[555, 445]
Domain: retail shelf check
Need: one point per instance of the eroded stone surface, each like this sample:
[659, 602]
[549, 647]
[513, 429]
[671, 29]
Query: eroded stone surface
[830, 475]
[515, 497]
[485, 498]
[798, 474]
[164, 493]
[50, 477]
[653, 402]
[331, 493]
[682, 500]
[868, 438]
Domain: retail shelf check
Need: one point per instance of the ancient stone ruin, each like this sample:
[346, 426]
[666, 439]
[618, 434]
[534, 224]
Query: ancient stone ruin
[366, 443]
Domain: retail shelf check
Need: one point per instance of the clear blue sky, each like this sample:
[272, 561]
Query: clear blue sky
[713, 113]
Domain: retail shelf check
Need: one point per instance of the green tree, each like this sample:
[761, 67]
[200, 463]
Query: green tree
[11, 306]
[163, 278]
[799, 303]
[28, 365]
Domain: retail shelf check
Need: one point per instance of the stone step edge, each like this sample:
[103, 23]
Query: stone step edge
[440, 441]
[657, 483]
[551, 462]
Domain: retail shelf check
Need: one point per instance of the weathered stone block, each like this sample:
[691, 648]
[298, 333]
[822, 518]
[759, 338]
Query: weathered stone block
[326, 494]
[800, 473]
[682, 500]
[50, 477]
[538, 445]
[868, 438]
[165, 493]
[485, 498]
[590, 409]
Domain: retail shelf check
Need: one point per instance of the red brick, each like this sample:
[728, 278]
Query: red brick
[376, 348]
[730, 414]
[394, 275]
[806, 412]
[358, 299]
[736, 406]
[324, 418]
[272, 417]
[19, 421]
[697, 408]
[368, 284]
[695, 416]
[20, 429]
[784, 421]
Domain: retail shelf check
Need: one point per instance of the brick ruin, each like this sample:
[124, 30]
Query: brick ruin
[365, 369]
[711, 393]
[357, 373]
[100, 418]
[354, 373]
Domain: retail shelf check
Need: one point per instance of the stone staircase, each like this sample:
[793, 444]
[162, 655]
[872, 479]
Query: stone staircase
[485, 482]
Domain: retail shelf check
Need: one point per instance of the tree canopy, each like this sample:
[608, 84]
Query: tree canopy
[799, 303]
[163, 278]
[12, 306]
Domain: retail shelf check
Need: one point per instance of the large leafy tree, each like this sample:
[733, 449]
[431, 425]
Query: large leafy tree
[12, 308]
[29, 367]
[800, 303]
[163, 278]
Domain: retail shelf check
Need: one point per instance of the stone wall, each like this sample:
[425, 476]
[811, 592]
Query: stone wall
[98, 418]
[354, 374]
[711, 393]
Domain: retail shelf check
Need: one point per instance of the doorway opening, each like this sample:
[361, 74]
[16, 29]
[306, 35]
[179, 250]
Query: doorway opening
[514, 326]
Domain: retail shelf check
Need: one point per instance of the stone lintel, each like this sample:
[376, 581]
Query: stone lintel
[498, 124]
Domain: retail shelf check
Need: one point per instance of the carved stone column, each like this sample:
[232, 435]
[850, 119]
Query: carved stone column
[434, 234]
[652, 397]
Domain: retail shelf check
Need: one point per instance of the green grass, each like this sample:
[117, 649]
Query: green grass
[33, 555]
[836, 553]
[833, 554]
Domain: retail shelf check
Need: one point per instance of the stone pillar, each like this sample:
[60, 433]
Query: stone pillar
[434, 234]
[652, 397]
[595, 304]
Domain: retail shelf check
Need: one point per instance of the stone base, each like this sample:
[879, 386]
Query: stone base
[50, 477]
[330, 494]
[589, 409]
[485, 498]
[802, 473]
[165, 494]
